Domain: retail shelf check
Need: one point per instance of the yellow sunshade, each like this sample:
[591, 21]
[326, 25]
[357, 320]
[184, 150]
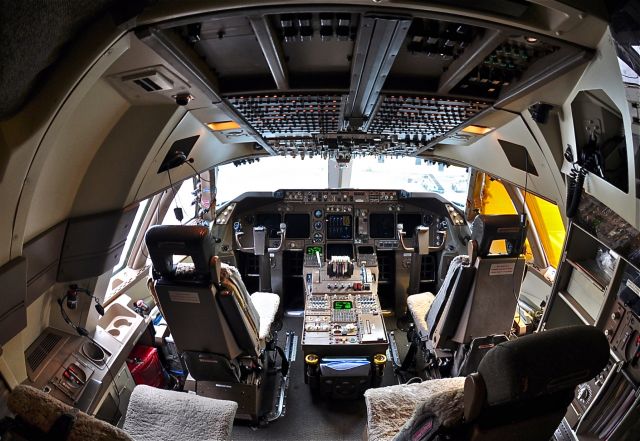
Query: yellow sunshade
[223, 125]
[477, 130]
[496, 200]
[548, 221]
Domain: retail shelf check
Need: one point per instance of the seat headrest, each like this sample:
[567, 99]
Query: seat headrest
[543, 363]
[166, 241]
[486, 229]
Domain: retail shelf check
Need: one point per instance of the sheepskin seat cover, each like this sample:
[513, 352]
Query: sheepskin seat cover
[159, 415]
[389, 408]
[42, 410]
[418, 305]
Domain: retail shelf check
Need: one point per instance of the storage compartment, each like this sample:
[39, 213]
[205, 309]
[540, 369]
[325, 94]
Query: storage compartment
[583, 281]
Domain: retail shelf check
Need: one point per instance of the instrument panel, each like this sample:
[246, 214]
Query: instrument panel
[330, 217]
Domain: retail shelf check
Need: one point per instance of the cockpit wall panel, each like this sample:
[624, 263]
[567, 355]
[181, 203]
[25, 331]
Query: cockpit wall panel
[603, 73]
[487, 154]
[207, 152]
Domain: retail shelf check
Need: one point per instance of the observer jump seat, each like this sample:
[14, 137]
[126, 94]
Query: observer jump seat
[521, 391]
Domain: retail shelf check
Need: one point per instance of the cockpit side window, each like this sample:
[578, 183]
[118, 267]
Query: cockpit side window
[547, 221]
[495, 199]
[546, 227]
[164, 208]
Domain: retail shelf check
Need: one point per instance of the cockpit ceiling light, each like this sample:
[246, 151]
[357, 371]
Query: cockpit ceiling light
[223, 125]
[477, 130]
[531, 39]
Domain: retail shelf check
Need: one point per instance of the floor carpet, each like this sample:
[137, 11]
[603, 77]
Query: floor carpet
[311, 418]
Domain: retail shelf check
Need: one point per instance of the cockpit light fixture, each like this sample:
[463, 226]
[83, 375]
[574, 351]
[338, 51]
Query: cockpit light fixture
[477, 130]
[223, 125]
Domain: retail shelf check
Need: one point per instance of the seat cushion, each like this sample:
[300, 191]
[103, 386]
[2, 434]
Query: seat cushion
[419, 305]
[266, 304]
[158, 414]
[389, 408]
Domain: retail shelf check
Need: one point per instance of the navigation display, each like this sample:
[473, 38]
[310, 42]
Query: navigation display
[409, 222]
[298, 225]
[271, 221]
[342, 304]
[339, 226]
[382, 226]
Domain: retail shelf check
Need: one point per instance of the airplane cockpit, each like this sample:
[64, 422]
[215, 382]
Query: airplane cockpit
[366, 220]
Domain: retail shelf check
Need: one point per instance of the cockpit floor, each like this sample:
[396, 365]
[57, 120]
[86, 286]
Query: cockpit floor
[308, 417]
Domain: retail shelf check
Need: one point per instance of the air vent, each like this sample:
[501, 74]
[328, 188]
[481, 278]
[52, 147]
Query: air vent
[41, 351]
[147, 82]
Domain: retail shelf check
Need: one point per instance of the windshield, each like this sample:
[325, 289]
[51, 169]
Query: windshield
[413, 175]
[410, 174]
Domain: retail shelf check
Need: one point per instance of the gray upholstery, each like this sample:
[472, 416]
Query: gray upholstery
[523, 386]
[521, 391]
[221, 331]
[434, 313]
[261, 307]
[543, 363]
[158, 415]
[425, 308]
[479, 294]
[210, 314]
[490, 306]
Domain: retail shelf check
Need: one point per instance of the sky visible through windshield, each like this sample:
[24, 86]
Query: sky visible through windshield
[410, 174]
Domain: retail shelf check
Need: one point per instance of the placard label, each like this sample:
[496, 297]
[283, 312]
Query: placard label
[502, 269]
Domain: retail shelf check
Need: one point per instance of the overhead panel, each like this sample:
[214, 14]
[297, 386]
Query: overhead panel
[289, 115]
[503, 67]
[231, 48]
[341, 81]
[317, 48]
[419, 119]
[430, 48]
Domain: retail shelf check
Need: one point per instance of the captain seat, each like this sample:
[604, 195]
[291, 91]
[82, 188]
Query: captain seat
[479, 294]
[221, 331]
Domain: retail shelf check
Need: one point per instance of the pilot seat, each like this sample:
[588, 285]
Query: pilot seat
[475, 305]
[224, 335]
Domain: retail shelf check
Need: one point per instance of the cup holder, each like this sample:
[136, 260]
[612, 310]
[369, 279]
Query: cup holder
[121, 322]
[113, 331]
[93, 352]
